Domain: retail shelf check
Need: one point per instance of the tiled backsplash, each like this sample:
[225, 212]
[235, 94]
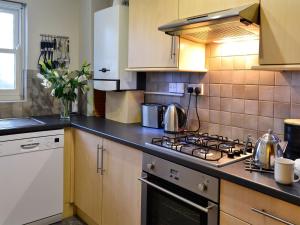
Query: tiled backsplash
[39, 102]
[237, 101]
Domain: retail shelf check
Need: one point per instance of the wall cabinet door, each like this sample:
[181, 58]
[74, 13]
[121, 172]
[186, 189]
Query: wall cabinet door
[88, 180]
[188, 8]
[280, 31]
[121, 188]
[149, 47]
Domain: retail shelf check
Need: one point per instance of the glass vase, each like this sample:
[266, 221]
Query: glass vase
[65, 109]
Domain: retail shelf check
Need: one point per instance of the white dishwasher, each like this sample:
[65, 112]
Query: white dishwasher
[31, 178]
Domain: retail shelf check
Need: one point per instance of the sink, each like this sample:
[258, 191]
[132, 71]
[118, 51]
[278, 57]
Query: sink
[13, 123]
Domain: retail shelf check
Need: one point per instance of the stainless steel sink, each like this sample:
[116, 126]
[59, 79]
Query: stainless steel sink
[13, 123]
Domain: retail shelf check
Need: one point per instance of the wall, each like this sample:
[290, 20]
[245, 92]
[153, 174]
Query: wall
[237, 101]
[57, 17]
[73, 18]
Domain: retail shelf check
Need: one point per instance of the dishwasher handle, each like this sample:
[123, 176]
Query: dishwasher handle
[29, 146]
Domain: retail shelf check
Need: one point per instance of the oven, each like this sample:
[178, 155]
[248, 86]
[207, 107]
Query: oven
[176, 195]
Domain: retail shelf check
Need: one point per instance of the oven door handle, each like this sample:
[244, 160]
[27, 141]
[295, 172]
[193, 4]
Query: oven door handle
[201, 208]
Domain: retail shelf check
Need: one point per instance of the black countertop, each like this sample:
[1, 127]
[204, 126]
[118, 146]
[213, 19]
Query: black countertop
[135, 136]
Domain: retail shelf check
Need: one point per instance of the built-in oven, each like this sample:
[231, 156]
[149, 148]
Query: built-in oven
[176, 195]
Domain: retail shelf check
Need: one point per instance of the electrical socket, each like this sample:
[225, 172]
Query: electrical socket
[200, 86]
[172, 87]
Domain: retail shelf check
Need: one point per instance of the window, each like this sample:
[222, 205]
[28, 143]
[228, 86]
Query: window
[12, 51]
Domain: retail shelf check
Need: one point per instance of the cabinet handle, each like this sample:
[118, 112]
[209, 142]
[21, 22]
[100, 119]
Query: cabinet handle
[102, 163]
[263, 212]
[172, 46]
[98, 150]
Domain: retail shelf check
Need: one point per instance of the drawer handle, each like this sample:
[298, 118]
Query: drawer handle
[100, 151]
[263, 212]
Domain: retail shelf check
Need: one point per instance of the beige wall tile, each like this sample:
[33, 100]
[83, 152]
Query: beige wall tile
[226, 77]
[251, 77]
[265, 123]
[215, 50]
[237, 119]
[214, 77]
[226, 104]
[203, 115]
[251, 60]
[215, 63]
[251, 92]
[283, 78]
[225, 131]
[251, 122]
[251, 107]
[225, 118]
[252, 133]
[282, 110]
[237, 133]
[238, 77]
[238, 91]
[267, 78]
[266, 93]
[203, 102]
[227, 63]
[214, 103]
[238, 105]
[282, 94]
[203, 126]
[214, 90]
[296, 78]
[226, 90]
[239, 62]
[278, 126]
[266, 108]
[295, 92]
[295, 111]
[214, 116]
[213, 128]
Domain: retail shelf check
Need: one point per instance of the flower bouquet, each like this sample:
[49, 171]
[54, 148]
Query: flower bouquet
[65, 84]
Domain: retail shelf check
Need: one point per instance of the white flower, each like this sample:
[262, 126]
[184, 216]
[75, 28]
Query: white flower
[52, 92]
[40, 76]
[56, 74]
[82, 78]
[46, 83]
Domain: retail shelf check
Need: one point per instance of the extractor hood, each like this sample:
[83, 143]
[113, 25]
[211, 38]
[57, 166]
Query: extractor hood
[231, 24]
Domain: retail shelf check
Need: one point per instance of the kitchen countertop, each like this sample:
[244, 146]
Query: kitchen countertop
[135, 136]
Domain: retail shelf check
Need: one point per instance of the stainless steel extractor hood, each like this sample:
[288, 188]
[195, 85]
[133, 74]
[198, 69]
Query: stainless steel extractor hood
[236, 23]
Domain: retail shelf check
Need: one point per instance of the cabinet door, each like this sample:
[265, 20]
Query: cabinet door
[149, 47]
[188, 8]
[121, 188]
[88, 182]
[280, 31]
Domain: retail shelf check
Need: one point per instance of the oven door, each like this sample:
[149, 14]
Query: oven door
[164, 203]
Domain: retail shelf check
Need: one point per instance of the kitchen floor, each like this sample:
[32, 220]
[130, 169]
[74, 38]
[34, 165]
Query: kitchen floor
[70, 221]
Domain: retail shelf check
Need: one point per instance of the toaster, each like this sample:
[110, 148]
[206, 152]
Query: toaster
[152, 115]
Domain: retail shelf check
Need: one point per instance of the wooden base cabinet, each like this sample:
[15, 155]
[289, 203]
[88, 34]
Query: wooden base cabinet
[241, 204]
[121, 187]
[88, 179]
[107, 190]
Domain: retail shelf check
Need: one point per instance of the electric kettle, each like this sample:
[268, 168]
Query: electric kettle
[266, 149]
[174, 118]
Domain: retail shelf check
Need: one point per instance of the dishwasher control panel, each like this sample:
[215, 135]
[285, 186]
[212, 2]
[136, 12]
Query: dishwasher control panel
[28, 142]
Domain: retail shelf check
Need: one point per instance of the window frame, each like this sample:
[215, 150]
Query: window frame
[19, 51]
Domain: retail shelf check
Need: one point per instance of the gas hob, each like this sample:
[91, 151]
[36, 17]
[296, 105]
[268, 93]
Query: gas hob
[203, 148]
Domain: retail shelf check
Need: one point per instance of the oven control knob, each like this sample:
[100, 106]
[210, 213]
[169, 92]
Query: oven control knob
[202, 187]
[150, 166]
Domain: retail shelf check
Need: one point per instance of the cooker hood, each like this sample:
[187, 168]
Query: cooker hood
[231, 24]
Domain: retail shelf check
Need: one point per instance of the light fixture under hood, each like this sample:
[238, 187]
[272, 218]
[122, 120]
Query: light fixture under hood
[233, 24]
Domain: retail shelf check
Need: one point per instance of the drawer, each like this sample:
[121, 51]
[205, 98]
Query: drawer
[226, 219]
[249, 205]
